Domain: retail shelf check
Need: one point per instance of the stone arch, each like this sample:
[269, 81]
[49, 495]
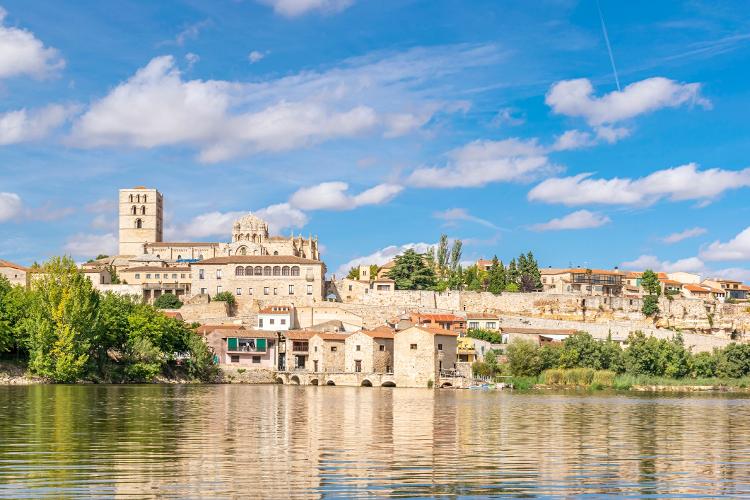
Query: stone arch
[314, 381]
[267, 271]
[295, 270]
[239, 271]
[446, 384]
[285, 271]
[248, 270]
[388, 384]
[294, 379]
[366, 383]
[330, 382]
[276, 270]
[134, 210]
[258, 271]
[242, 251]
[138, 224]
[279, 380]
[143, 210]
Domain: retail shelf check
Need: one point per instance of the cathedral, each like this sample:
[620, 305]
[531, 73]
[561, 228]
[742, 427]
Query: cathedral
[141, 222]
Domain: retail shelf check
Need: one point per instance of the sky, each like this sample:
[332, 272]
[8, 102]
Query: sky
[377, 126]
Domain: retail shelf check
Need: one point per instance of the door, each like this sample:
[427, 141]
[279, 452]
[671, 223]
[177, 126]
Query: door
[358, 366]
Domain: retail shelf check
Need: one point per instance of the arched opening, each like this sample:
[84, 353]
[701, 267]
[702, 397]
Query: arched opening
[239, 271]
[144, 198]
[249, 271]
[276, 271]
[131, 198]
[295, 270]
[179, 257]
[276, 252]
[137, 198]
[267, 271]
[258, 271]
[138, 224]
[330, 382]
[447, 384]
[314, 381]
[242, 251]
[366, 383]
[295, 379]
[279, 380]
[143, 210]
[134, 210]
[388, 384]
[285, 271]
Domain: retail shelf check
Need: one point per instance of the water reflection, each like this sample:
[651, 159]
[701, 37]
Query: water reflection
[290, 441]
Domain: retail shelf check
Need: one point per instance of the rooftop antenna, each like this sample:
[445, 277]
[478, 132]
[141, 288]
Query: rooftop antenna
[609, 47]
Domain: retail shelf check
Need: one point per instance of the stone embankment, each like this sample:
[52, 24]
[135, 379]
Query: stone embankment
[13, 374]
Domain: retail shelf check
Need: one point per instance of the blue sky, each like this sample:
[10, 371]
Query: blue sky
[379, 125]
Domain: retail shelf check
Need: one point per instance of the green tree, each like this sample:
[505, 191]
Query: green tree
[512, 287]
[490, 359]
[169, 301]
[456, 252]
[473, 279]
[496, 278]
[62, 322]
[650, 305]
[374, 270]
[705, 364]
[6, 324]
[225, 297]
[581, 351]
[353, 273]
[490, 336]
[410, 272]
[734, 361]
[524, 358]
[650, 282]
[512, 273]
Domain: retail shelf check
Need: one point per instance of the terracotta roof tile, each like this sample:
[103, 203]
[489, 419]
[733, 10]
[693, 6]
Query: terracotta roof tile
[5, 263]
[481, 316]
[538, 331]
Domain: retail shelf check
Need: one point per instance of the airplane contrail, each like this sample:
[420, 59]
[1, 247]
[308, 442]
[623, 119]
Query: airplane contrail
[609, 47]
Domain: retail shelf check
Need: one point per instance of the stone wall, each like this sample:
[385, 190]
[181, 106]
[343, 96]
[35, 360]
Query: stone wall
[206, 312]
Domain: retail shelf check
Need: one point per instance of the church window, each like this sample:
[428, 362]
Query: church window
[285, 271]
[258, 271]
[134, 210]
[138, 224]
[131, 198]
[239, 271]
[267, 271]
[249, 271]
[143, 210]
[144, 198]
[137, 198]
[276, 252]
[295, 270]
[243, 251]
[276, 271]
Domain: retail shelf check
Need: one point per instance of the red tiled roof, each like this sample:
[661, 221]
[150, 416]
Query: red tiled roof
[434, 331]
[538, 331]
[695, 288]
[381, 332]
[5, 263]
[155, 269]
[332, 336]
[442, 318]
[299, 334]
[481, 316]
[204, 329]
[258, 259]
[275, 310]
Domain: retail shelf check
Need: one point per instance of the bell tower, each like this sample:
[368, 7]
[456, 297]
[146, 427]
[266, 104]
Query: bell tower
[140, 218]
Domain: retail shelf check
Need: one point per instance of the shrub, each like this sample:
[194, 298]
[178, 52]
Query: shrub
[225, 297]
[482, 334]
[578, 376]
[553, 376]
[603, 378]
[167, 301]
[705, 364]
[524, 358]
[650, 305]
[480, 369]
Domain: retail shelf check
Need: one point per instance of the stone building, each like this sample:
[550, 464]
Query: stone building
[266, 278]
[15, 273]
[327, 352]
[235, 345]
[276, 318]
[482, 321]
[158, 280]
[296, 351]
[369, 351]
[141, 219]
[420, 354]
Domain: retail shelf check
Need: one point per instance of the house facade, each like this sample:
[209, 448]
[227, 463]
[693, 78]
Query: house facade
[15, 273]
[326, 351]
[420, 354]
[482, 321]
[369, 351]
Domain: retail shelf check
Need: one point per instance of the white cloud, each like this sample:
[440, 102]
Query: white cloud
[11, 206]
[334, 196]
[452, 215]
[573, 139]
[191, 32]
[191, 59]
[683, 235]
[509, 116]
[294, 8]
[91, 245]
[688, 265]
[381, 256]
[733, 273]
[255, 56]
[611, 134]
[738, 248]
[681, 183]
[574, 98]
[482, 162]
[282, 216]
[102, 205]
[225, 119]
[101, 221]
[581, 219]
[21, 53]
[23, 126]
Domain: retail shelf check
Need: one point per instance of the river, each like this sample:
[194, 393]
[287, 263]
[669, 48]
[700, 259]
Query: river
[339, 442]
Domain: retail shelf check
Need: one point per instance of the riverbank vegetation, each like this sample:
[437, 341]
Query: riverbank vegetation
[580, 360]
[66, 331]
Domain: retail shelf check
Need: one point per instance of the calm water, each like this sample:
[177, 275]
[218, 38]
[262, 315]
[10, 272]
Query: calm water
[310, 442]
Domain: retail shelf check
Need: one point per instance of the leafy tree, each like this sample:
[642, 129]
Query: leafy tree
[442, 256]
[524, 358]
[169, 301]
[496, 278]
[456, 252]
[225, 297]
[62, 322]
[512, 273]
[650, 282]
[512, 287]
[410, 272]
[374, 270]
[353, 273]
[705, 364]
[527, 283]
[455, 279]
[581, 351]
[473, 278]
[650, 305]
[6, 325]
[734, 361]
[490, 336]
[532, 270]
[490, 359]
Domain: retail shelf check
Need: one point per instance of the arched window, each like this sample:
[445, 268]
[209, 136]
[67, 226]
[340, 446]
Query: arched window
[144, 198]
[138, 224]
[295, 270]
[200, 257]
[258, 271]
[179, 257]
[143, 210]
[137, 198]
[267, 271]
[276, 271]
[134, 210]
[285, 271]
[239, 271]
[249, 271]
[276, 252]
[131, 198]
[242, 251]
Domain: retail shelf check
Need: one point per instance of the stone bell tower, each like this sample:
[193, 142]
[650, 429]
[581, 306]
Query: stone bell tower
[141, 214]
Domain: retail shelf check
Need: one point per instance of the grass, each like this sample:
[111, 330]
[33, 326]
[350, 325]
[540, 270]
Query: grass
[626, 381]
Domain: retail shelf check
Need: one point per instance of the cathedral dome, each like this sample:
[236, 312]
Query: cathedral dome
[250, 228]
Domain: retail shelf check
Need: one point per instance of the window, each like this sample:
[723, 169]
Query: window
[283, 321]
[291, 289]
[473, 324]
[238, 291]
[382, 348]
[413, 347]
[157, 276]
[265, 290]
[239, 271]
[491, 325]
[148, 276]
[334, 348]
[138, 224]
[256, 359]
[358, 366]
[200, 274]
[350, 288]
[316, 349]
[267, 271]
[249, 291]
[309, 289]
[295, 270]
[359, 347]
[137, 276]
[144, 198]
[285, 271]
[276, 271]
[275, 291]
[134, 210]
[258, 271]
[131, 197]
[249, 271]
[218, 289]
[143, 210]
[260, 322]
[203, 291]
[235, 358]
[270, 321]
[174, 276]
[440, 347]
[218, 274]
